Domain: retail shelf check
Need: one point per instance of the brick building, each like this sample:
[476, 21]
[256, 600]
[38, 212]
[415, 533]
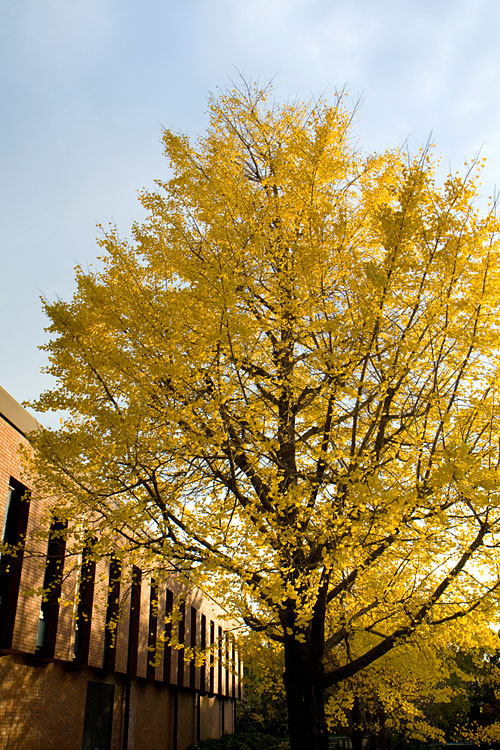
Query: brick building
[68, 679]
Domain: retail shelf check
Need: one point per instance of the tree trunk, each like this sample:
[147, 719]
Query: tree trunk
[305, 697]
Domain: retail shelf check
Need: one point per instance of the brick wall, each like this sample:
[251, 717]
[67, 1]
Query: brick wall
[42, 701]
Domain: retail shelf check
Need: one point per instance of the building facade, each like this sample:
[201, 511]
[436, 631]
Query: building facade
[88, 664]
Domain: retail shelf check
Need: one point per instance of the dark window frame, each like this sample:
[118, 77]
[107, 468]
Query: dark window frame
[83, 623]
[167, 649]
[203, 646]
[112, 614]
[193, 638]
[134, 621]
[211, 688]
[52, 585]
[228, 663]
[11, 561]
[219, 662]
[153, 625]
[233, 665]
[181, 637]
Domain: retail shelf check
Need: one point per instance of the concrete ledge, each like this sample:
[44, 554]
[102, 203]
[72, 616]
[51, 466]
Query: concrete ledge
[16, 414]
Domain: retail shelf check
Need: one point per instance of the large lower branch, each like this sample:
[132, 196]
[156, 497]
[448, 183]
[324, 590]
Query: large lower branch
[388, 643]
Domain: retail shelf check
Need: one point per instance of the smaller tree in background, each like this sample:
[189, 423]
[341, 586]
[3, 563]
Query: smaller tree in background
[389, 701]
[479, 672]
[263, 707]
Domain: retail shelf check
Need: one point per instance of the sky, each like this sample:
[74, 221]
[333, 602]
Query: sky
[87, 85]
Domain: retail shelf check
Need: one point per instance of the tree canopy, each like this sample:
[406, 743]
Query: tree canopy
[287, 381]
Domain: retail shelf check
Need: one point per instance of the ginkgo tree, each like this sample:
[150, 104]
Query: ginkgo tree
[287, 381]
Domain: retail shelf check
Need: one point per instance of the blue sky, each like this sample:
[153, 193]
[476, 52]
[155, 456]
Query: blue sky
[86, 86]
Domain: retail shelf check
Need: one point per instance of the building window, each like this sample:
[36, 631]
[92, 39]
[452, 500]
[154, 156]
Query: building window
[228, 664]
[193, 634]
[153, 623]
[220, 657]
[167, 653]
[240, 676]
[49, 610]
[203, 645]
[112, 612]
[11, 558]
[212, 657]
[135, 614]
[233, 666]
[85, 602]
[180, 652]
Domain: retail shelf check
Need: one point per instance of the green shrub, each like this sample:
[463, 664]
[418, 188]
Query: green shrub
[242, 741]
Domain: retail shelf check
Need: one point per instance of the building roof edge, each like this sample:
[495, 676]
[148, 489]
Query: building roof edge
[16, 414]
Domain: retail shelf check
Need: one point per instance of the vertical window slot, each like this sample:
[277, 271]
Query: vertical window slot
[192, 665]
[112, 613]
[203, 645]
[219, 660]
[167, 653]
[212, 657]
[153, 623]
[11, 558]
[85, 603]
[135, 612]
[180, 652]
[49, 610]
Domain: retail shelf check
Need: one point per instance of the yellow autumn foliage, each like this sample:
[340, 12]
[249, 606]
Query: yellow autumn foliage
[287, 382]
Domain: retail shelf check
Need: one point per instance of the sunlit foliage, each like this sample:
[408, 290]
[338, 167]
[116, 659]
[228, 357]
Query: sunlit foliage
[287, 381]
